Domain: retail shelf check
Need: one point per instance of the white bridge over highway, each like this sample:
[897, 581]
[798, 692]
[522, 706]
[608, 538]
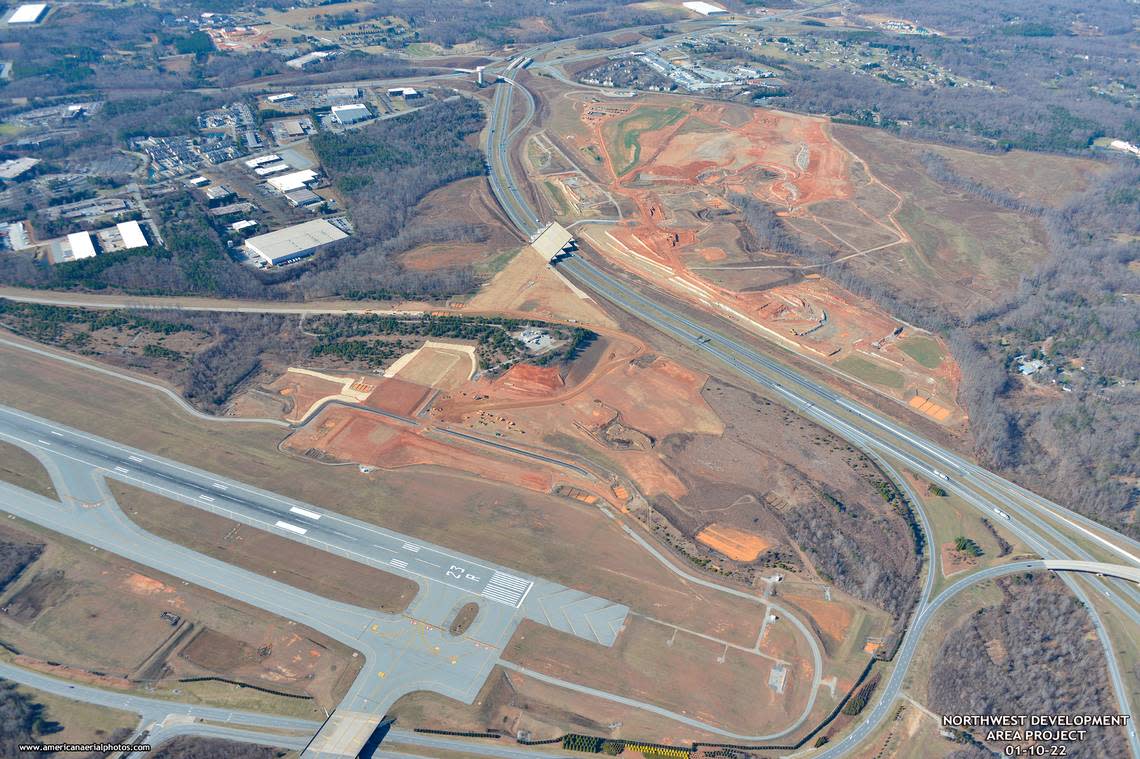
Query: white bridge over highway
[1095, 567]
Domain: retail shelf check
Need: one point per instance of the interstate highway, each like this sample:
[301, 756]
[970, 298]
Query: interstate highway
[878, 435]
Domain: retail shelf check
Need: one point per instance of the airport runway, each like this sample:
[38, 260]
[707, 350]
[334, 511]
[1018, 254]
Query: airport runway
[403, 653]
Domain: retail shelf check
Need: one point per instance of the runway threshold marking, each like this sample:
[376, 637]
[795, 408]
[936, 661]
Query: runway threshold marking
[206, 498]
[291, 527]
[398, 563]
[219, 486]
[411, 547]
[122, 470]
[136, 459]
[507, 589]
[304, 513]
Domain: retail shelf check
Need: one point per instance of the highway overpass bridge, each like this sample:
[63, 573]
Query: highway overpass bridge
[1095, 567]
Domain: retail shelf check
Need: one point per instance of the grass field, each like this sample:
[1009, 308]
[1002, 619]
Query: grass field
[287, 561]
[680, 672]
[22, 469]
[82, 722]
[863, 369]
[924, 350]
[624, 137]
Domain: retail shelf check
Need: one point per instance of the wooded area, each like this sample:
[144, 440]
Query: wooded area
[22, 720]
[1050, 84]
[519, 21]
[1035, 653]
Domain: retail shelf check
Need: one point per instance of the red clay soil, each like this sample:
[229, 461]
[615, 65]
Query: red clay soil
[398, 396]
[526, 379]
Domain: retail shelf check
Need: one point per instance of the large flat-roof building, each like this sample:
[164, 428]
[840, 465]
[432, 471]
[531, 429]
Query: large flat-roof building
[705, 9]
[29, 13]
[294, 181]
[350, 114]
[81, 246]
[292, 243]
[132, 235]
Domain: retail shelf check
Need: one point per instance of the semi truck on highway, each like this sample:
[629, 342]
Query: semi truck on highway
[1002, 514]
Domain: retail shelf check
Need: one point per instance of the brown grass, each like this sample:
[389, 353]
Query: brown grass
[287, 561]
[555, 538]
[24, 470]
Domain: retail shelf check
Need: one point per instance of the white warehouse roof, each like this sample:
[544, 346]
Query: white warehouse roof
[28, 14]
[81, 245]
[294, 181]
[294, 242]
[132, 235]
[346, 114]
[705, 9]
[262, 160]
[271, 168]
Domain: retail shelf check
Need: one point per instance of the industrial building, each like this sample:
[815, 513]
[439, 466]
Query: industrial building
[218, 193]
[292, 243]
[407, 93]
[30, 13]
[350, 114]
[271, 168]
[131, 234]
[253, 163]
[81, 245]
[705, 9]
[306, 60]
[17, 167]
[303, 198]
[243, 225]
[295, 181]
[281, 98]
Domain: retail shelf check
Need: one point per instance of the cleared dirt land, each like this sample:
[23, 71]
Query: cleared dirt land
[685, 172]
[284, 560]
[526, 285]
[555, 538]
[100, 619]
[816, 501]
